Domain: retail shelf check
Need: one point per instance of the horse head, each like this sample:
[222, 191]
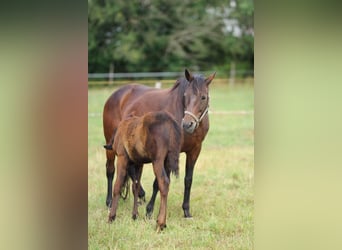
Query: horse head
[196, 100]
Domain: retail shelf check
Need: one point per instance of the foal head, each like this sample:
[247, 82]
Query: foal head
[196, 100]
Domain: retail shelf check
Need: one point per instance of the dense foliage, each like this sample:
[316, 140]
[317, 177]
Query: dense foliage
[164, 35]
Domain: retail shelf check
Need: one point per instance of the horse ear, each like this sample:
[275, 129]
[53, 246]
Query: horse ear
[210, 78]
[188, 75]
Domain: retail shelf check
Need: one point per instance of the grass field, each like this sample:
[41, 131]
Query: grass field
[221, 199]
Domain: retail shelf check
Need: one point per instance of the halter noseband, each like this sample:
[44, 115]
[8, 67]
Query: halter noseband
[197, 120]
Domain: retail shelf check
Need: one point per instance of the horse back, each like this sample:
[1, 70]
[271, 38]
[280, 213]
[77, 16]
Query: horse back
[117, 103]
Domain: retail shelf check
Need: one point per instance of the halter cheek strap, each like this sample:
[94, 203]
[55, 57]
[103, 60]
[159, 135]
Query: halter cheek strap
[197, 120]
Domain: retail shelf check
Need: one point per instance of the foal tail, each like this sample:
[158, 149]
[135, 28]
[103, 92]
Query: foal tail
[172, 162]
[175, 147]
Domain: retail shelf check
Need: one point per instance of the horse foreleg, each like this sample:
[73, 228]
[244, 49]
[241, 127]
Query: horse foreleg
[191, 158]
[110, 170]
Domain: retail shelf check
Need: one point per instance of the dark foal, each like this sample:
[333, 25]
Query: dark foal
[154, 137]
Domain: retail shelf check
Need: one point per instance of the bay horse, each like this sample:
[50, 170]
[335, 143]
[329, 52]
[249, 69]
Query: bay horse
[154, 137]
[187, 101]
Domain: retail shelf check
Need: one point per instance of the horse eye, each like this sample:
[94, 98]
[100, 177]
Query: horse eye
[203, 97]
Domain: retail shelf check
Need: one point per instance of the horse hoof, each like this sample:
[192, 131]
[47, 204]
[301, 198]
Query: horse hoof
[141, 200]
[149, 209]
[109, 203]
[134, 216]
[148, 215]
[111, 218]
[187, 214]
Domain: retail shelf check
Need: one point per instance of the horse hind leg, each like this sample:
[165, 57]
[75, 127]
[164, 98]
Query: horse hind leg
[110, 171]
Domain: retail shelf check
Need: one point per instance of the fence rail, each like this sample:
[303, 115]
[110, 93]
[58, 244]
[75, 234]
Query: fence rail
[158, 74]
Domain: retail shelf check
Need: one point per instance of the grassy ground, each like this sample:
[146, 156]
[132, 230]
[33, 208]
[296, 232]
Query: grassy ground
[222, 190]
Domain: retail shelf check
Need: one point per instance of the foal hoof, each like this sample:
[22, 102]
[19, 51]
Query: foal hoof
[160, 228]
[111, 218]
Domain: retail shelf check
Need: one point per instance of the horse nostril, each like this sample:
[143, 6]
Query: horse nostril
[187, 125]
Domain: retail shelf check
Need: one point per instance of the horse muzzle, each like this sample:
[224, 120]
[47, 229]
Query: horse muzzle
[189, 127]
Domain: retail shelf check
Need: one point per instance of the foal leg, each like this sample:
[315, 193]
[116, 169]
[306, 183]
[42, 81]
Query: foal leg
[191, 158]
[163, 183]
[121, 173]
[150, 205]
[110, 170]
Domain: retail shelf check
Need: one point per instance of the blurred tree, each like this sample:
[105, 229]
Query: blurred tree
[159, 35]
[238, 40]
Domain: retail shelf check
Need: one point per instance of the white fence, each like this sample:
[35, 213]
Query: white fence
[94, 76]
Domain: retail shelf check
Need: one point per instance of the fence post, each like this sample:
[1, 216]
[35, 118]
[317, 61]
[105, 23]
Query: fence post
[111, 73]
[232, 73]
[158, 85]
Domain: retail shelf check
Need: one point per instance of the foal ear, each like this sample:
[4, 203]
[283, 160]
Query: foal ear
[188, 75]
[210, 78]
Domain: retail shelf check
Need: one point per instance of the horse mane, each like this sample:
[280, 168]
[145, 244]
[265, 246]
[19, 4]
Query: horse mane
[181, 84]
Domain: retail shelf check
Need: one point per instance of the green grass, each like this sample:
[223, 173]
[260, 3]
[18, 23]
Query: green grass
[222, 190]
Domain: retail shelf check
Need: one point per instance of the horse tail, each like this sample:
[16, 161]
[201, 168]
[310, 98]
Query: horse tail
[109, 146]
[175, 147]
